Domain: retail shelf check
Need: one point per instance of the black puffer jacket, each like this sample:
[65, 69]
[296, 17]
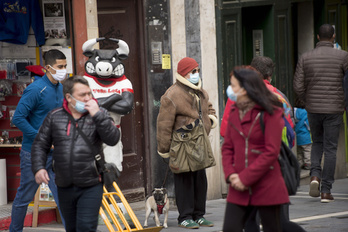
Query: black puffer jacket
[318, 80]
[73, 160]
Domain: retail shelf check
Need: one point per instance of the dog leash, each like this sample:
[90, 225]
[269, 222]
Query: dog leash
[165, 177]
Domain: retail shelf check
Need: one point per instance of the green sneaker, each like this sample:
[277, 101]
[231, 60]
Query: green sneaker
[189, 224]
[204, 222]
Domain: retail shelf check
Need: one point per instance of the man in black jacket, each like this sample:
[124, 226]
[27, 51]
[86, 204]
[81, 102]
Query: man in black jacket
[77, 177]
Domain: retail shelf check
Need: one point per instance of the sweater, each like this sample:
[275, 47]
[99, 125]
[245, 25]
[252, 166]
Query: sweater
[16, 17]
[37, 100]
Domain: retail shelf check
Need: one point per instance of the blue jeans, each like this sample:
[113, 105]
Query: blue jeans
[27, 189]
[325, 129]
[80, 207]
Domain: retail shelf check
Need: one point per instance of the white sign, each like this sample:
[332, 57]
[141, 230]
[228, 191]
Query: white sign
[54, 19]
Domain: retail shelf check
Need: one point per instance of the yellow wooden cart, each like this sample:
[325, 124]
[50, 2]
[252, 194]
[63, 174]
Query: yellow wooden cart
[117, 225]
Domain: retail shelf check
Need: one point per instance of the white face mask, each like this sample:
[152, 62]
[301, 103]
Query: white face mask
[59, 75]
[194, 78]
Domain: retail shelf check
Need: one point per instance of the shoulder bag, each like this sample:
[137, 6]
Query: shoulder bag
[190, 149]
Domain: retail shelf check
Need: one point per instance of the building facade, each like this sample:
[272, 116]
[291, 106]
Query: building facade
[219, 35]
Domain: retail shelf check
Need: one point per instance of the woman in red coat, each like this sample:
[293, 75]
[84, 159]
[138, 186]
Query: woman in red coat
[250, 156]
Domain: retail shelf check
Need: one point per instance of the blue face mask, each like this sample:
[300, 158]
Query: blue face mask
[79, 106]
[230, 94]
[194, 78]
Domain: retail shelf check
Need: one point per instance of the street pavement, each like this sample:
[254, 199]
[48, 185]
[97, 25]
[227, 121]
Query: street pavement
[308, 212]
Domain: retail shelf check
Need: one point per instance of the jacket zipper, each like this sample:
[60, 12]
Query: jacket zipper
[247, 142]
[71, 150]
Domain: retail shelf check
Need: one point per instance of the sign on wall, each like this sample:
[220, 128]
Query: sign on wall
[54, 19]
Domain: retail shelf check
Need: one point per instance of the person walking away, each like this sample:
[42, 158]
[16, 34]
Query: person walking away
[250, 157]
[265, 66]
[70, 128]
[318, 82]
[303, 136]
[37, 100]
[180, 107]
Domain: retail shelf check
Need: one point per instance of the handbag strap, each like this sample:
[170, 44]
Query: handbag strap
[199, 108]
[97, 157]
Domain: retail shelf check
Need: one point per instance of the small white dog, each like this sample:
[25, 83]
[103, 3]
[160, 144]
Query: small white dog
[159, 204]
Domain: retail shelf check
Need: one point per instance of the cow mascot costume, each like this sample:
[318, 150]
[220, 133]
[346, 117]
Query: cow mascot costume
[114, 92]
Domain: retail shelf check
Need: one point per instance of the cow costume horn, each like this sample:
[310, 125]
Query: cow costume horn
[88, 45]
[123, 48]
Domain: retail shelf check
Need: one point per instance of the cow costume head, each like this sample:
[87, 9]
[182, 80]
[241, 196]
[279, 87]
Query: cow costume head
[105, 63]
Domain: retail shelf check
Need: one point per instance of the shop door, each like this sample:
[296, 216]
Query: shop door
[283, 55]
[229, 42]
[119, 19]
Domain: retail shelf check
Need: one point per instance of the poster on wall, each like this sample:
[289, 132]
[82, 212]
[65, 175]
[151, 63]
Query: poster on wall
[54, 19]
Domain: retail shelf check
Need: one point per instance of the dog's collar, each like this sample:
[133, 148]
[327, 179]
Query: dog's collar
[160, 207]
[161, 203]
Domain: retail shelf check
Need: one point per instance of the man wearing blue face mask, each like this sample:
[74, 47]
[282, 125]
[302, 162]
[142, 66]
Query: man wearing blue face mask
[38, 99]
[180, 106]
[78, 131]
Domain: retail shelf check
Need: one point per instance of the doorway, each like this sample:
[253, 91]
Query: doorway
[120, 19]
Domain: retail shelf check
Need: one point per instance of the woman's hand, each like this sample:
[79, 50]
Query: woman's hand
[236, 183]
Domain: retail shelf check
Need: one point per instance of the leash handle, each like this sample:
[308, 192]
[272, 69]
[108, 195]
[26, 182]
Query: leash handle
[165, 177]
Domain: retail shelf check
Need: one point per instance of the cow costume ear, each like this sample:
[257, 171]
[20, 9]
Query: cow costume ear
[89, 54]
[122, 56]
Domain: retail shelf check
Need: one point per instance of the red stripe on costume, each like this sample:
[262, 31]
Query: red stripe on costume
[128, 90]
[114, 80]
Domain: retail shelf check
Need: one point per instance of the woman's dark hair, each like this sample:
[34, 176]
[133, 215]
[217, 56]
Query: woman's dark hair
[256, 89]
[68, 85]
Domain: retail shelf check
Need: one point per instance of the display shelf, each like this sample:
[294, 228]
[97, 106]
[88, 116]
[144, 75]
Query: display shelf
[10, 145]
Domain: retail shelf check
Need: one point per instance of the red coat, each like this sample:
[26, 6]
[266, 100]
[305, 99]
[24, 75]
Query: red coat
[281, 98]
[225, 116]
[257, 165]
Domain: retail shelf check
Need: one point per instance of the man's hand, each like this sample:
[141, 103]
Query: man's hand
[236, 183]
[92, 107]
[41, 176]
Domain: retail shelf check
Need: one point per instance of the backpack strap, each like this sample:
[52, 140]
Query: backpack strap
[262, 123]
